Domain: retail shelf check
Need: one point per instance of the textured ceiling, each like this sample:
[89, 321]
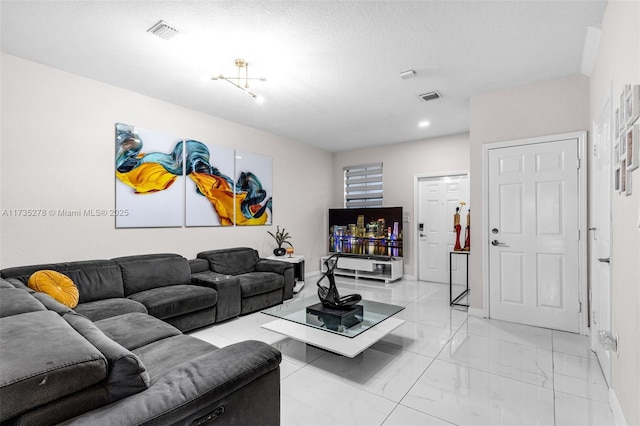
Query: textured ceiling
[332, 67]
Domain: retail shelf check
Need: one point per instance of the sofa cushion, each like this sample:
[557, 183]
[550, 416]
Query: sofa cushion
[57, 285]
[165, 354]
[255, 283]
[127, 374]
[144, 272]
[170, 301]
[135, 330]
[233, 261]
[101, 309]
[44, 359]
[95, 279]
[14, 301]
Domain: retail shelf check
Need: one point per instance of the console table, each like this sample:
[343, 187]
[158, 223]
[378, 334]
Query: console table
[452, 300]
[359, 267]
[298, 268]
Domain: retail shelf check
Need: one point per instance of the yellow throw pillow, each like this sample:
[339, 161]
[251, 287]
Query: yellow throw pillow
[56, 285]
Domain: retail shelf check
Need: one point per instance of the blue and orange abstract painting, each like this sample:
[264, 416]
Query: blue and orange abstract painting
[212, 198]
[148, 166]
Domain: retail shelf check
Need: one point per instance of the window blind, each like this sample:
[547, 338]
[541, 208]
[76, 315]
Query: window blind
[363, 185]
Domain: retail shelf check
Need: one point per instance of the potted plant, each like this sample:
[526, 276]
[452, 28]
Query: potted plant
[281, 238]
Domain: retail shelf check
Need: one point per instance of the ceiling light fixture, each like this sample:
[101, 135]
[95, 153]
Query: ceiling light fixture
[240, 64]
[407, 74]
[424, 124]
[163, 30]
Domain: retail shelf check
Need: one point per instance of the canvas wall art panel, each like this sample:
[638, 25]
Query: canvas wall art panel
[632, 140]
[254, 189]
[149, 173]
[210, 189]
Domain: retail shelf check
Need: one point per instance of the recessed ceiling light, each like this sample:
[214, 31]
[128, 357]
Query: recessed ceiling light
[424, 124]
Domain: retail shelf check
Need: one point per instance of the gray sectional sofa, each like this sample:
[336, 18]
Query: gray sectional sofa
[120, 356]
[260, 282]
[158, 284]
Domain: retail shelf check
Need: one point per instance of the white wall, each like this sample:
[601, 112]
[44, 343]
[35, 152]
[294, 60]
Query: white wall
[618, 63]
[401, 163]
[58, 153]
[547, 108]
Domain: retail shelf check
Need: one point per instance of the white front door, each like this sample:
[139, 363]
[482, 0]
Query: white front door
[533, 233]
[438, 198]
[601, 237]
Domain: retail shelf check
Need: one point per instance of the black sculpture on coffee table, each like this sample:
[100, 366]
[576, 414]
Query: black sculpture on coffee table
[330, 296]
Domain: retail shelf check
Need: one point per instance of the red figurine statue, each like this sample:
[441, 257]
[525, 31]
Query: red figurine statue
[467, 233]
[457, 228]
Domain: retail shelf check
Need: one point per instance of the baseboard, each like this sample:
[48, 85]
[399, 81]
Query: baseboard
[409, 277]
[616, 409]
[477, 312]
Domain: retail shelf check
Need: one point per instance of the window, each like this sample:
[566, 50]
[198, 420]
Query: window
[363, 185]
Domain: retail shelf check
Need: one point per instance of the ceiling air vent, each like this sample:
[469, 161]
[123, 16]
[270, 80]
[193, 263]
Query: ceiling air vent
[430, 96]
[163, 30]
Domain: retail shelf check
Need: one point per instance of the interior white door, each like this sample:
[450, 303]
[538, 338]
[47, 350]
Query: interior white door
[438, 198]
[533, 232]
[601, 237]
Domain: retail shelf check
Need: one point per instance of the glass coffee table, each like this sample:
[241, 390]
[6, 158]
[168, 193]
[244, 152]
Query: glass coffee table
[373, 323]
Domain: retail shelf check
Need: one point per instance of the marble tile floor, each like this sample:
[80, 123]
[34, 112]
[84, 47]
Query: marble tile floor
[441, 367]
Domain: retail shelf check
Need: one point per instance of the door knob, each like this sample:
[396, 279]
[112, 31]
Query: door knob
[497, 243]
[421, 234]
[604, 260]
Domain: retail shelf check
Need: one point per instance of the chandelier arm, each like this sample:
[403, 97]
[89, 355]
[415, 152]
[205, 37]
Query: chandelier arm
[241, 63]
[241, 88]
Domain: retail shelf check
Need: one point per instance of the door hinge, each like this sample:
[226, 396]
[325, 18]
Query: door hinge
[578, 235]
[578, 165]
[579, 307]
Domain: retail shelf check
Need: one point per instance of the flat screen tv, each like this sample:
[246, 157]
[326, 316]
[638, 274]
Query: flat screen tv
[366, 232]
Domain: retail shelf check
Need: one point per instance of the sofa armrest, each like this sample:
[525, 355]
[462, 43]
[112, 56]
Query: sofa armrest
[228, 288]
[127, 375]
[217, 379]
[268, 265]
[198, 265]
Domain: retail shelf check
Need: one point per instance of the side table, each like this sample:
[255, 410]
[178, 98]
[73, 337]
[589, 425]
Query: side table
[452, 300]
[298, 268]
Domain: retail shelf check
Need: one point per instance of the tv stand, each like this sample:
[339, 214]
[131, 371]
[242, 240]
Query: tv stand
[376, 268]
